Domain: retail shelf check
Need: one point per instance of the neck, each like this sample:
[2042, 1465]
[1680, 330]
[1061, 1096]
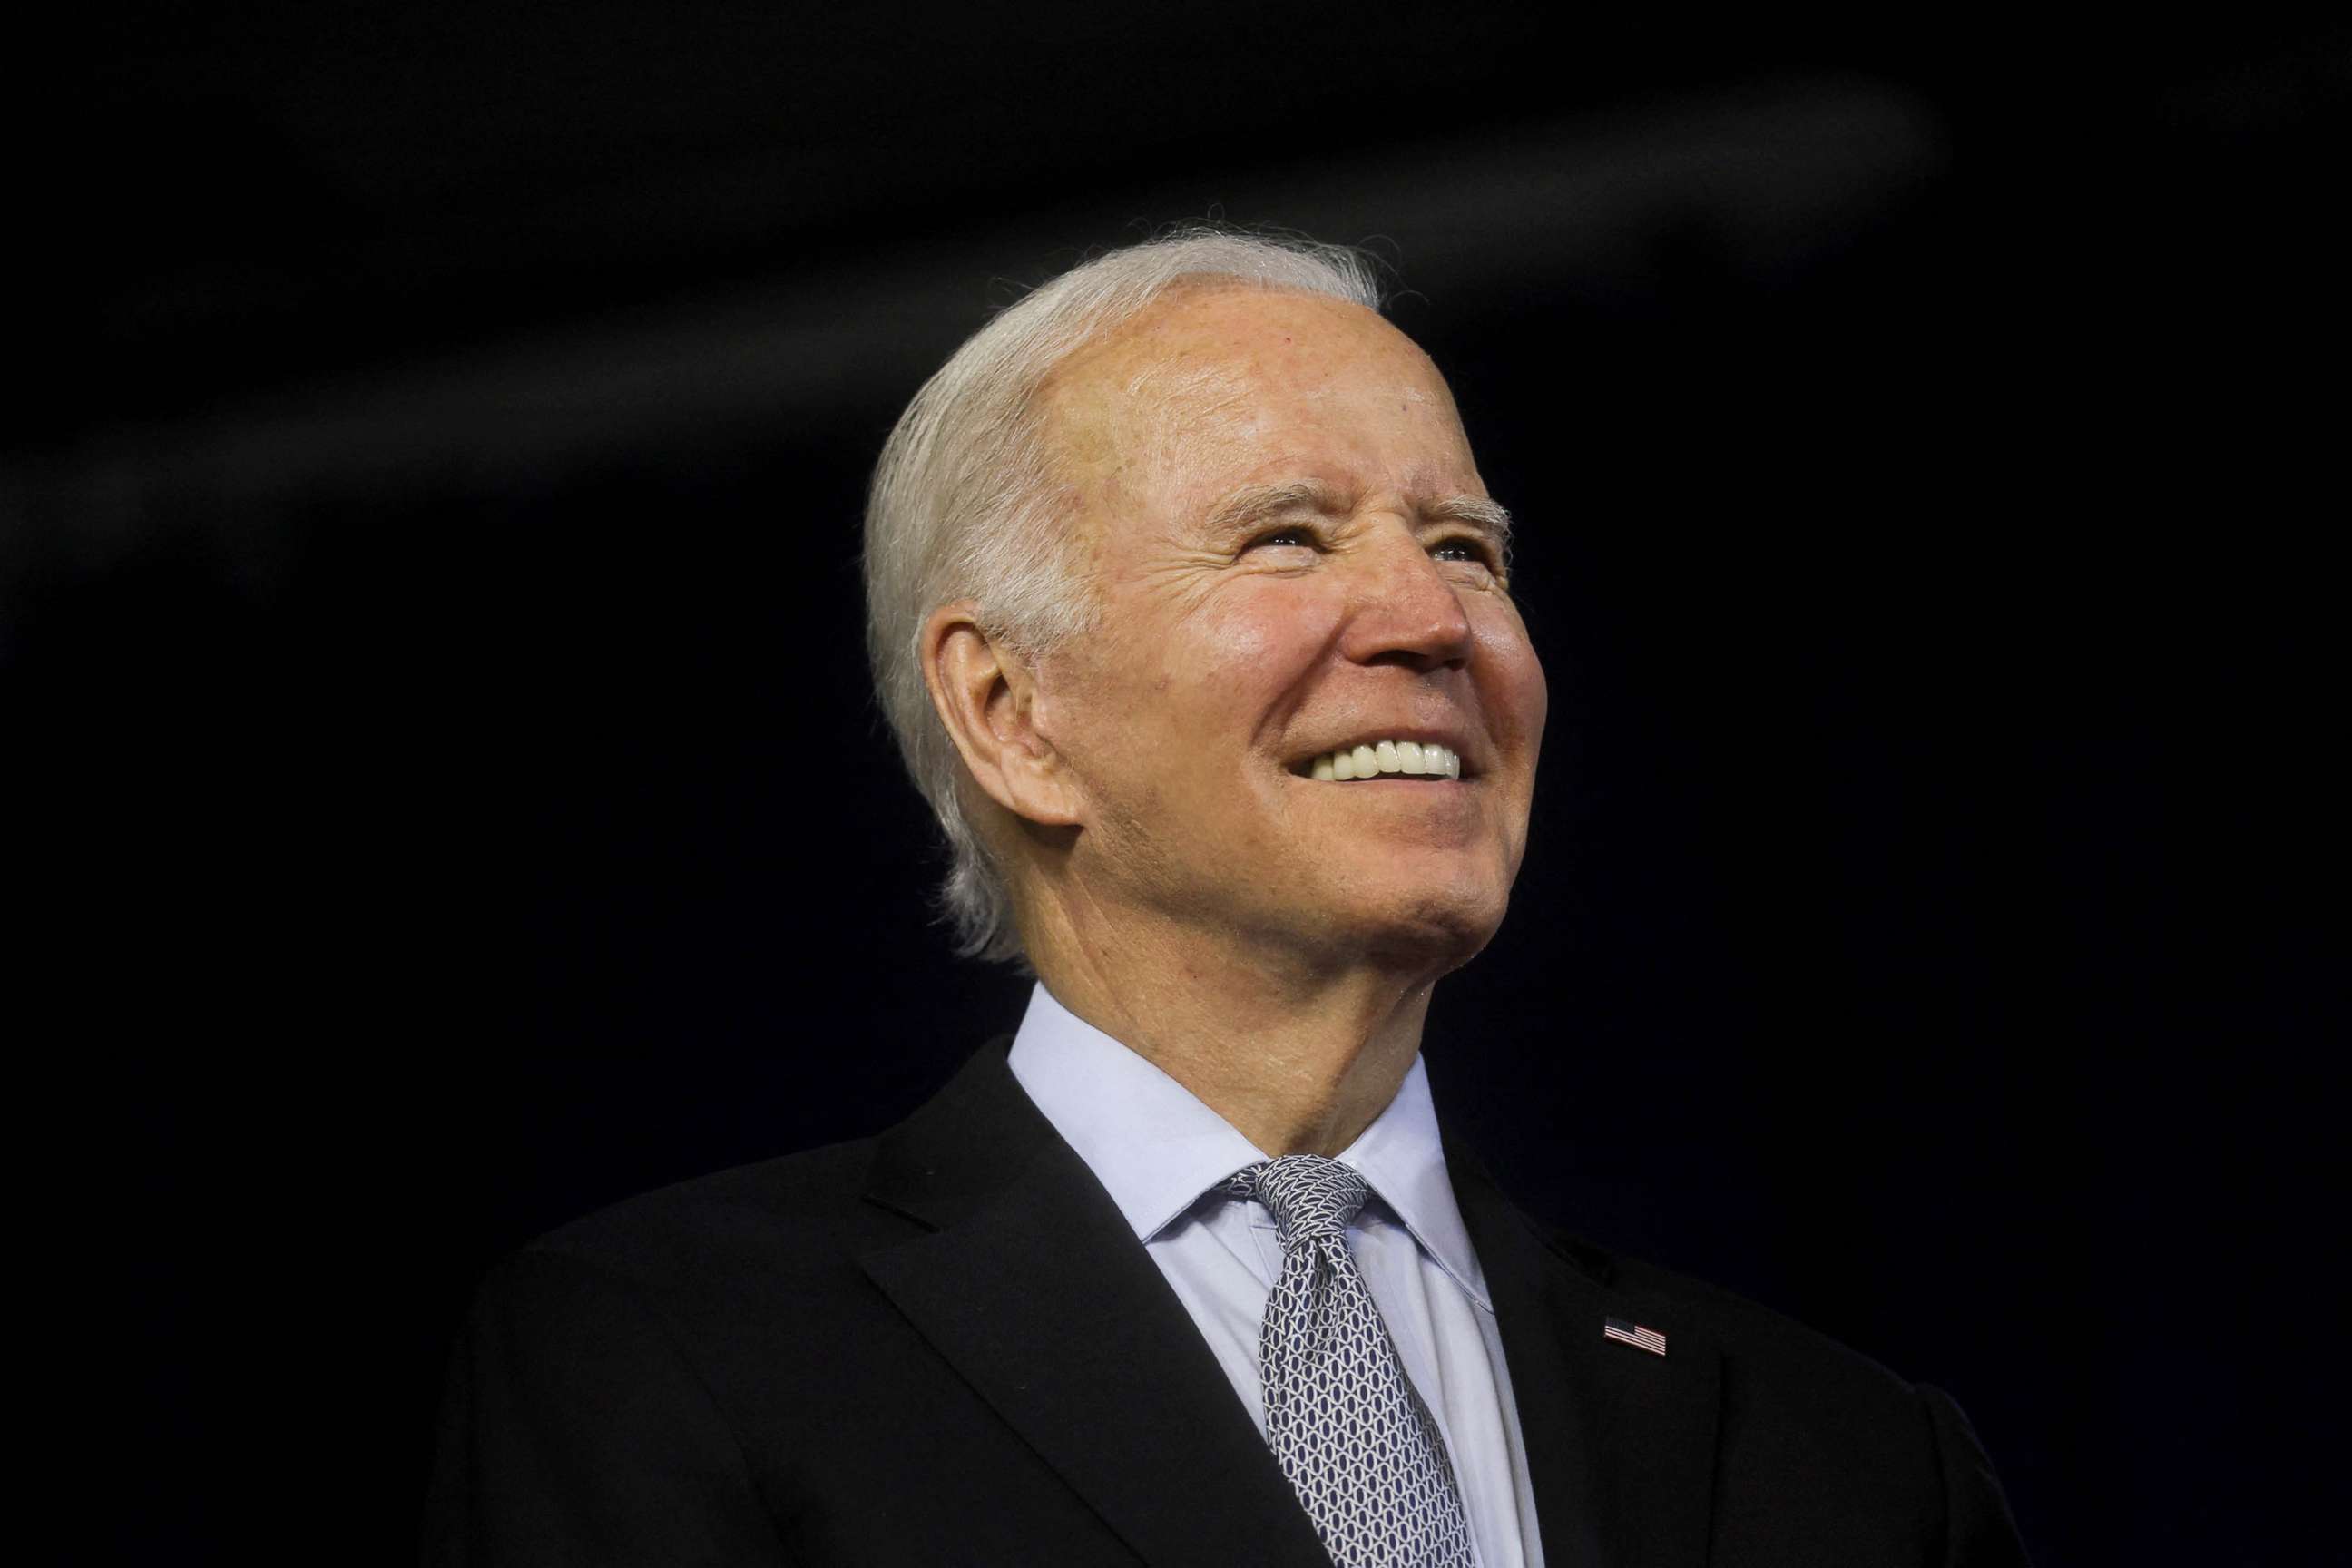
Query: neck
[1299, 1058]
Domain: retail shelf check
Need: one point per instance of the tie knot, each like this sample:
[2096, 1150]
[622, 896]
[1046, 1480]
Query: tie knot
[1312, 1197]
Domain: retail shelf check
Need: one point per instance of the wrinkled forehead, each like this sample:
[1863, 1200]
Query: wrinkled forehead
[1209, 373]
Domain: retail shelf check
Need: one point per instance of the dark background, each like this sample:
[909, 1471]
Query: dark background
[446, 795]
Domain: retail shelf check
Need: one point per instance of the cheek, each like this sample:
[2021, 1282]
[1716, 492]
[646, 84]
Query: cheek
[1516, 689]
[1257, 641]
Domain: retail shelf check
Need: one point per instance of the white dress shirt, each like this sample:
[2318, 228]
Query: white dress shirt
[1158, 1150]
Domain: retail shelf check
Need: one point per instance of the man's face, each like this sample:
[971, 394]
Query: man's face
[1293, 555]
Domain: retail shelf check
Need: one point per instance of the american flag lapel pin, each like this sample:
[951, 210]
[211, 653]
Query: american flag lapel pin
[1633, 1334]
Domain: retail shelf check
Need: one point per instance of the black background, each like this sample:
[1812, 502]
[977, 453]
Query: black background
[446, 795]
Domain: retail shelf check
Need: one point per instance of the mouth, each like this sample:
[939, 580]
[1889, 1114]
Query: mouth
[1384, 759]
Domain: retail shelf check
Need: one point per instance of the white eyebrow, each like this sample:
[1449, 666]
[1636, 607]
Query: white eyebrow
[1492, 516]
[1255, 503]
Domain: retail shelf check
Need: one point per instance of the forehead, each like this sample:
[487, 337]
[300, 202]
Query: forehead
[1214, 383]
[1230, 336]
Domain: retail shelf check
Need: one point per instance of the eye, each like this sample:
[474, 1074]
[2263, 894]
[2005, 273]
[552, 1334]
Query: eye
[1297, 534]
[1464, 547]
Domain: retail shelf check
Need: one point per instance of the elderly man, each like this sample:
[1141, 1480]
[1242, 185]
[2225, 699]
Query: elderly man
[1194, 621]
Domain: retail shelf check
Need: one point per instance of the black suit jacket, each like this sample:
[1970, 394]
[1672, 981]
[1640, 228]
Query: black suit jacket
[944, 1346]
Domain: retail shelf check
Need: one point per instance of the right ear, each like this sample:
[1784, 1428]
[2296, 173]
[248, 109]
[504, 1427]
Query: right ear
[985, 691]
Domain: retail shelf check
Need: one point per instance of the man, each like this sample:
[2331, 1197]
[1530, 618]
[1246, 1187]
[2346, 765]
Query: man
[1193, 618]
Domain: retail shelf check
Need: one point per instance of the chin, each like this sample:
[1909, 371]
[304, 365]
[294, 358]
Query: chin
[1435, 929]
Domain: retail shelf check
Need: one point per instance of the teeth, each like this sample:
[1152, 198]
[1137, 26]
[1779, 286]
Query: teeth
[1414, 759]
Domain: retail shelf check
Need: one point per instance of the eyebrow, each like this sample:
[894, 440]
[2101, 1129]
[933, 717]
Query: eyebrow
[1491, 517]
[1254, 504]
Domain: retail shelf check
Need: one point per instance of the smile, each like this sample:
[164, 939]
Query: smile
[1412, 759]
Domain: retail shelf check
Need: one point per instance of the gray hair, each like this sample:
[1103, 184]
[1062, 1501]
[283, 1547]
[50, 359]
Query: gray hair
[967, 503]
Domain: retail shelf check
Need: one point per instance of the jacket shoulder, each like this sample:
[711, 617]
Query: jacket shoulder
[785, 1212]
[788, 1228]
[1815, 1436]
[1778, 1375]
[1753, 1339]
[1791, 1391]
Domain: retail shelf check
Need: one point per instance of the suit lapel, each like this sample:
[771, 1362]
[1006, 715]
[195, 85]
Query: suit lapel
[1620, 1443]
[1033, 1287]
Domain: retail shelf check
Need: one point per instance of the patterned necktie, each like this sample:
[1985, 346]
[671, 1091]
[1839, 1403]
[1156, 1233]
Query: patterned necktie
[1355, 1440]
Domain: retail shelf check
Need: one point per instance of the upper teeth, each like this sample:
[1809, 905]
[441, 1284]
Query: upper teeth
[1420, 759]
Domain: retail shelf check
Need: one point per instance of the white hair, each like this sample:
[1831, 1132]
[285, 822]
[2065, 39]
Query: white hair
[967, 503]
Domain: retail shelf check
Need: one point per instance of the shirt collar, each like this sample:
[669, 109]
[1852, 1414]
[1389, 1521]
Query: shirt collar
[1156, 1147]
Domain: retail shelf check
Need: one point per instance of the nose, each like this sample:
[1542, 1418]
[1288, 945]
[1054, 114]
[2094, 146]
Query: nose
[1403, 611]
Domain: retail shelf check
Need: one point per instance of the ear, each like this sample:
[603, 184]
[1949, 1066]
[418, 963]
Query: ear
[984, 691]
